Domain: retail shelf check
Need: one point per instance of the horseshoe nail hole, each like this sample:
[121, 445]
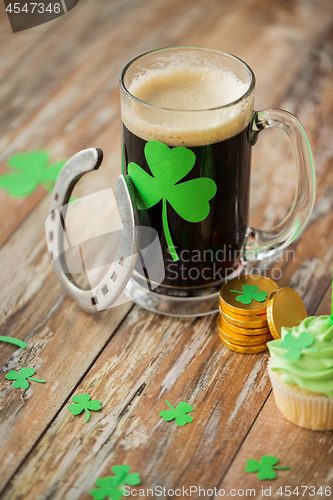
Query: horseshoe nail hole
[51, 255]
[122, 262]
[51, 235]
[105, 290]
[94, 301]
[53, 215]
[56, 197]
[114, 277]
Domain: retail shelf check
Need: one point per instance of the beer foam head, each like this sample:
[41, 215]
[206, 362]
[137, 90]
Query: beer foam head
[187, 104]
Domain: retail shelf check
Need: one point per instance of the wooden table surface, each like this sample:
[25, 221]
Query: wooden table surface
[59, 91]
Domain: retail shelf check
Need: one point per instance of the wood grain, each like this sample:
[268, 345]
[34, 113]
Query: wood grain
[35, 308]
[75, 107]
[308, 453]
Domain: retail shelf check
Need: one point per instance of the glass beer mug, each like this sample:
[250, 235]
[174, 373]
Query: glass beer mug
[188, 129]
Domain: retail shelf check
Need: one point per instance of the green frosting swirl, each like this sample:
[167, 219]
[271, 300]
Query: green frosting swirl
[314, 370]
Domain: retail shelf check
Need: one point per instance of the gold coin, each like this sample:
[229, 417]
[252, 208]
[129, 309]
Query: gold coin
[254, 349]
[243, 331]
[284, 308]
[244, 340]
[245, 321]
[232, 291]
[240, 317]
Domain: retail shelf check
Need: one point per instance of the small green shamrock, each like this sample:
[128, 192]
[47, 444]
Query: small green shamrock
[28, 171]
[168, 166]
[295, 345]
[249, 293]
[21, 379]
[112, 486]
[83, 403]
[179, 413]
[265, 467]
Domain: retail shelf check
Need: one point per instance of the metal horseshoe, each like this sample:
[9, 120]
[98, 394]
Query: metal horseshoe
[110, 288]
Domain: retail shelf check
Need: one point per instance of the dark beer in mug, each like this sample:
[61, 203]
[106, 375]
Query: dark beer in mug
[210, 249]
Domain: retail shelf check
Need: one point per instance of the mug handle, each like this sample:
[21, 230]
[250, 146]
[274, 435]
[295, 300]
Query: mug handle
[261, 244]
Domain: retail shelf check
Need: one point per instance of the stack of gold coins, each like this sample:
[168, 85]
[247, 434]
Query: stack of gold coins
[242, 322]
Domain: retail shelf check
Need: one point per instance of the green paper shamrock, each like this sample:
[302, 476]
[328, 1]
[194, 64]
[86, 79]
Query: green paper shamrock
[189, 199]
[83, 403]
[28, 171]
[249, 293]
[179, 413]
[295, 345]
[112, 486]
[21, 379]
[265, 467]
[13, 340]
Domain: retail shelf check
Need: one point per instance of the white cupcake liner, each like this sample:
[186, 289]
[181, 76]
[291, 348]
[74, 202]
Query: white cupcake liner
[311, 412]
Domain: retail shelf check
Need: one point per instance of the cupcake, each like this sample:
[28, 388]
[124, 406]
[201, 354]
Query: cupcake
[301, 372]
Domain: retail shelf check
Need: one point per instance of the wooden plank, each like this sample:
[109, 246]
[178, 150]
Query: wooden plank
[136, 350]
[77, 117]
[325, 306]
[310, 99]
[61, 118]
[151, 359]
[35, 134]
[103, 53]
[15, 48]
[35, 308]
[110, 149]
[308, 453]
[30, 299]
[268, 39]
[20, 295]
[35, 277]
